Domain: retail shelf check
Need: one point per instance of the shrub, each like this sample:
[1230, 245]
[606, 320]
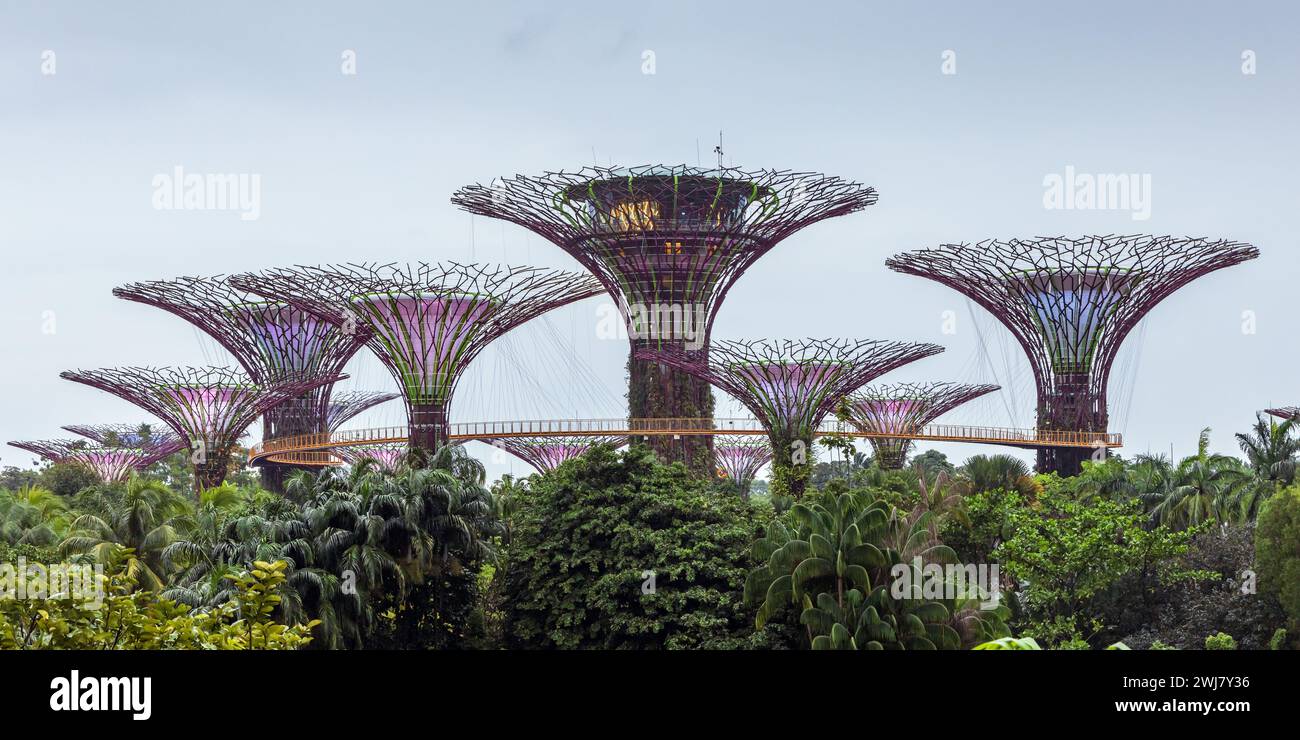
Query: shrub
[1220, 641]
[1277, 550]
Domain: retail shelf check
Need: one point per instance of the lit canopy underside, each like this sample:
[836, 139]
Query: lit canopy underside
[904, 408]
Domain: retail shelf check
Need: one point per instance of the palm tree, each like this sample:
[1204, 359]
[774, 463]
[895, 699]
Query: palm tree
[1270, 448]
[1201, 488]
[133, 529]
[982, 473]
[32, 515]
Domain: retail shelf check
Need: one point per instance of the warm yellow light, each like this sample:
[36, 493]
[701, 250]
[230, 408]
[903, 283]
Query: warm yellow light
[635, 216]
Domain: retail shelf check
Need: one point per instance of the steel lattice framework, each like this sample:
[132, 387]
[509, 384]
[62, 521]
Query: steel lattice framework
[791, 385]
[111, 464]
[902, 408]
[740, 459]
[208, 407]
[387, 456]
[546, 453]
[1070, 303]
[1285, 412]
[134, 436]
[346, 405]
[667, 242]
[424, 322]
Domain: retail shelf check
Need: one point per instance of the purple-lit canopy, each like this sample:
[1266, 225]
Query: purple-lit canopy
[387, 456]
[110, 464]
[739, 459]
[546, 453]
[904, 408]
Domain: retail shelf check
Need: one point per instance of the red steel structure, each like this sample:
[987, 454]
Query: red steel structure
[739, 460]
[111, 464]
[208, 407]
[273, 341]
[1285, 412]
[143, 437]
[343, 406]
[546, 453]
[903, 408]
[387, 456]
[425, 322]
[667, 242]
[791, 385]
[1070, 303]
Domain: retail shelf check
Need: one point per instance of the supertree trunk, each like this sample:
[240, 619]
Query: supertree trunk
[299, 415]
[890, 453]
[791, 466]
[428, 429]
[210, 471]
[656, 391]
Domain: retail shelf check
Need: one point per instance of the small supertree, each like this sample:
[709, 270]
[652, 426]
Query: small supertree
[144, 437]
[904, 408]
[739, 459]
[110, 464]
[344, 406]
[273, 341]
[791, 385]
[1070, 303]
[387, 455]
[546, 453]
[667, 242]
[424, 322]
[1285, 412]
[209, 407]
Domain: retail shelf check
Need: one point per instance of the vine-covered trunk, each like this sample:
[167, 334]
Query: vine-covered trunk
[791, 466]
[656, 391]
[428, 430]
[292, 417]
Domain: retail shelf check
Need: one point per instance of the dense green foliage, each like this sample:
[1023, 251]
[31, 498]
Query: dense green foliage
[1277, 551]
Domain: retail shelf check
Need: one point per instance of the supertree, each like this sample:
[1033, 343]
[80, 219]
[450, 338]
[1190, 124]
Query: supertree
[424, 322]
[903, 408]
[208, 407]
[791, 385]
[273, 341]
[387, 455]
[1070, 303]
[111, 464]
[1285, 412]
[546, 453]
[343, 406]
[143, 437]
[740, 458]
[667, 242]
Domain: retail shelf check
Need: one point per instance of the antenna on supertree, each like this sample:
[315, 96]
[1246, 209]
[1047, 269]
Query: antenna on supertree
[344, 406]
[739, 460]
[791, 385]
[546, 453]
[667, 242]
[110, 464]
[142, 437]
[387, 455]
[904, 408]
[273, 342]
[1070, 303]
[1285, 412]
[209, 407]
[424, 322]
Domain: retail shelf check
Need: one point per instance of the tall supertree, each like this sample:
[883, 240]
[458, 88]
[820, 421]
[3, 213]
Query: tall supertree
[273, 341]
[904, 408]
[740, 458]
[344, 406]
[791, 385]
[546, 453]
[667, 242]
[1070, 303]
[424, 322]
[111, 463]
[209, 407]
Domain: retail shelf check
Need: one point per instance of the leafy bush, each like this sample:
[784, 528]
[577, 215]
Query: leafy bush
[1220, 641]
[619, 551]
[1277, 551]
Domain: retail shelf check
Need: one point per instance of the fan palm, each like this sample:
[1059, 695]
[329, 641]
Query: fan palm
[133, 530]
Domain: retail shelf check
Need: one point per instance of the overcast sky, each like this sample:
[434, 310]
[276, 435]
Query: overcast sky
[359, 167]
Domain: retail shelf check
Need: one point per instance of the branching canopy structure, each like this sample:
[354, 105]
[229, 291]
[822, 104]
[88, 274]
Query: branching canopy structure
[344, 406]
[546, 453]
[1285, 412]
[209, 407]
[1070, 303]
[667, 242]
[739, 459]
[387, 455]
[111, 464]
[791, 385]
[425, 322]
[142, 437]
[903, 408]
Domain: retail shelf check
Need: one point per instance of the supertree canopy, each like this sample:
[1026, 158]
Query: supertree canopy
[425, 322]
[667, 242]
[739, 459]
[546, 453]
[903, 408]
[142, 437]
[1070, 303]
[387, 455]
[273, 341]
[344, 406]
[791, 385]
[112, 464]
[1285, 412]
[209, 407]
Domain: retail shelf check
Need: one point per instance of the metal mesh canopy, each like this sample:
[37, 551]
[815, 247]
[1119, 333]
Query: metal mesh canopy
[904, 408]
[790, 385]
[740, 459]
[388, 456]
[1070, 303]
[345, 406]
[111, 464]
[143, 437]
[546, 453]
[1285, 412]
[273, 340]
[668, 239]
[425, 322]
[209, 407]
